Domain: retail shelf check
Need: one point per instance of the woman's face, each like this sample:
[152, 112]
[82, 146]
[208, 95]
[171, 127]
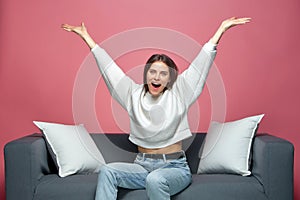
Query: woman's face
[158, 76]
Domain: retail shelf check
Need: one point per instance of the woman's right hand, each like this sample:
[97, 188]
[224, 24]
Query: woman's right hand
[82, 32]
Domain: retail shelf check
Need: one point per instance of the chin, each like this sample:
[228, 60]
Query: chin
[155, 94]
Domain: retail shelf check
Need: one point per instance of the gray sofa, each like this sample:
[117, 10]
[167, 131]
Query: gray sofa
[31, 174]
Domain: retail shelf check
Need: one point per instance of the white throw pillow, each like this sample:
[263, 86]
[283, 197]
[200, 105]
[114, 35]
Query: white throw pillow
[227, 146]
[73, 148]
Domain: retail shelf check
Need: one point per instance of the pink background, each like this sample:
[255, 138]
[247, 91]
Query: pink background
[39, 61]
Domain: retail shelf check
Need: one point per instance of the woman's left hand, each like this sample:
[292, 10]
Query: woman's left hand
[227, 24]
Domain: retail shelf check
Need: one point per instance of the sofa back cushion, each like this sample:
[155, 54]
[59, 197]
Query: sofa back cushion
[115, 147]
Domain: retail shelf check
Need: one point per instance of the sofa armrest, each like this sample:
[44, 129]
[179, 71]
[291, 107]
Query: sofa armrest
[26, 161]
[273, 163]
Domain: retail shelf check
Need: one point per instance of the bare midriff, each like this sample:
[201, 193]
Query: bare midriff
[165, 150]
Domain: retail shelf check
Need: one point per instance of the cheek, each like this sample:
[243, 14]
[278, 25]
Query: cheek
[149, 77]
[166, 79]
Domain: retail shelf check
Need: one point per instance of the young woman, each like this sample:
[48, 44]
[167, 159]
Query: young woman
[158, 117]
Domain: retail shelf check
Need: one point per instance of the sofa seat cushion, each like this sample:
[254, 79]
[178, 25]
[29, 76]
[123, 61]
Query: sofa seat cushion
[75, 187]
[126, 194]
[208, 187]
[223, 186]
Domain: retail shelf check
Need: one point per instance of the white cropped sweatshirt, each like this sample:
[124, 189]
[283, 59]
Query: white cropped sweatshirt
[157, 122]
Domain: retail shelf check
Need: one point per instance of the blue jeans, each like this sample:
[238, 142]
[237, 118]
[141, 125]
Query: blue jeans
[161, 178]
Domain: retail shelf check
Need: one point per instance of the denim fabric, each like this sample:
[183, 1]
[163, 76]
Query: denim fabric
[161, 178]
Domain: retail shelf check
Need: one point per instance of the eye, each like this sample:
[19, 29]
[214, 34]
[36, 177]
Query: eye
[164, 73]
[151, 71]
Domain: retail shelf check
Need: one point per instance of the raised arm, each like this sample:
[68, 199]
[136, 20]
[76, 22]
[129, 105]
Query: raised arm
[118, 83]
[191, 82]
[82, 32]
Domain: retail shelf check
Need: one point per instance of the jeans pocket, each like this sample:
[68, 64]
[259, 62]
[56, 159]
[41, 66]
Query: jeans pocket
[178, 163]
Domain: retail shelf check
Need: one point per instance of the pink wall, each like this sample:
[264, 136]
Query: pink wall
[39, 62]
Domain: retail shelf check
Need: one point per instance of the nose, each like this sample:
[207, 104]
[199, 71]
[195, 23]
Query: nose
[156, 77]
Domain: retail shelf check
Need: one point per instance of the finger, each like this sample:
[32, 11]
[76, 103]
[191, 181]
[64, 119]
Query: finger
[66, 27]
[242, 20]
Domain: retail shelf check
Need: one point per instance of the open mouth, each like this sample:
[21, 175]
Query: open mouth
[156, 85]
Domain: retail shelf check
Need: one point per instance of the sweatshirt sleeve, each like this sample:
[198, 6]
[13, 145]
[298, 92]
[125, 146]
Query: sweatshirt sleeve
[118, 83]
[190, 83]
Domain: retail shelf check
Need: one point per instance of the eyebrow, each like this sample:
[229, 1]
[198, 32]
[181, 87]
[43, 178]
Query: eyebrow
[160, 71]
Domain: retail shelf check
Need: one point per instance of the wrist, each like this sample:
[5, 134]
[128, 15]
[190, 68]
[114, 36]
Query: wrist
[219, 33]
[85, 36]
[88, 40]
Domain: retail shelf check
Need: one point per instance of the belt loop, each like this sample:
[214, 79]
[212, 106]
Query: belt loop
[183, 152]
[164, 156]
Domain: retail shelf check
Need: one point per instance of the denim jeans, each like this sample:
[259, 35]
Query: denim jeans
[161, 178]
